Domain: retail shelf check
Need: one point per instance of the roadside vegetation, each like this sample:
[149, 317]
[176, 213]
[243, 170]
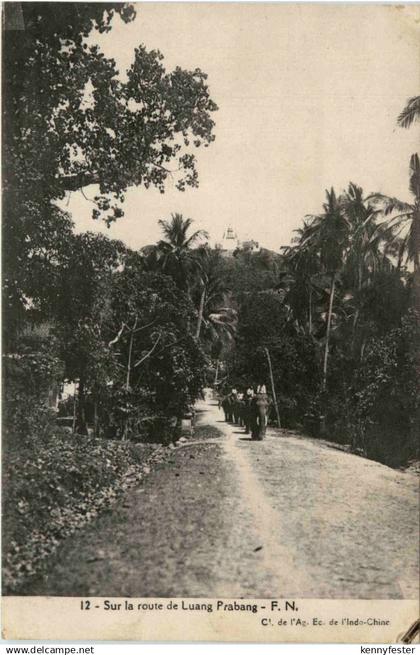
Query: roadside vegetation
[139, 334]
[54, 486]
[339, 319]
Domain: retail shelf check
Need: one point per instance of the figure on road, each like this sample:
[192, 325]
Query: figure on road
[259, 412]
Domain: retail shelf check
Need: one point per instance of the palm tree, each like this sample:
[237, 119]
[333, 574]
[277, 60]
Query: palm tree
[303, 264]
[328, 234]
[216, 322]
[405, 217]
[174, 255]
[212, 314]
[366, 254]
[410, 113]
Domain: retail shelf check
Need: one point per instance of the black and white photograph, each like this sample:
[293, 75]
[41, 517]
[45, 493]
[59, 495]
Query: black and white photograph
[211, 295]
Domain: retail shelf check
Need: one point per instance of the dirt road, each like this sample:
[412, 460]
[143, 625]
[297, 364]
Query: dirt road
[229, 517]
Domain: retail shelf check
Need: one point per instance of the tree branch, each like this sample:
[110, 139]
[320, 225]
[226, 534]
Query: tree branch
[134, 330]
[143, 327]
[78, 181]
[85, 196]
[118, 335]
[171, 345]
[147, 355]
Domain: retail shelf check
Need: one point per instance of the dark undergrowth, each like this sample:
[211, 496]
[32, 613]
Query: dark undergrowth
[55, 485]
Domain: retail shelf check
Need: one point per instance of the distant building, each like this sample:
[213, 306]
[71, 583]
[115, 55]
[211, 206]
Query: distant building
[229, 240]
[231, 243]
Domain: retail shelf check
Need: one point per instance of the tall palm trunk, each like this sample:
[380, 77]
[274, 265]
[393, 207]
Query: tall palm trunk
[200, 314]
[327, 341]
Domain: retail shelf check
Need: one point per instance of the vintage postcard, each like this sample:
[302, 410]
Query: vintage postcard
[211, 326]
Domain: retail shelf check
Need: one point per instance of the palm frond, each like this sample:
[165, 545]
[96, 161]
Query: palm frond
[410, 113]
[196, 236]
[390, 205]
[415, 176]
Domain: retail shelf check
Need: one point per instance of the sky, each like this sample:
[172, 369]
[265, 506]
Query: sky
[308, 97]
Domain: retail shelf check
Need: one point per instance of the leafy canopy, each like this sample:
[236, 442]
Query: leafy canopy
[73, 122]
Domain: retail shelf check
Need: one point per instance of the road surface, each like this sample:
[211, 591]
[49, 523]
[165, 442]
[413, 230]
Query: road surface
[229, 517]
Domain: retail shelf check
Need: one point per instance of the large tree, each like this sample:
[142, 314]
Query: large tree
[78, 303]
[71, 121]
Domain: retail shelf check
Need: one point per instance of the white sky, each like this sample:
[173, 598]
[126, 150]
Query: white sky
[308, 97]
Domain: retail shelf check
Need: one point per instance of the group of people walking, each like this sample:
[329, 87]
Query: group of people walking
[247, 407]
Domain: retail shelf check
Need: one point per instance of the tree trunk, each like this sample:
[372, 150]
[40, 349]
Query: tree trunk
[127, 379]
[200, 314]
[273, 389]
[95, 419]
[81, 408]
[73, 427]
[362, 349]
[130, 353]
[327, 341]
[217, 373]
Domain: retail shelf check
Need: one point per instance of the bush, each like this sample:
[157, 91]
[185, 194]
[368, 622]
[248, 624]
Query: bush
[52, 486]
[387, 395]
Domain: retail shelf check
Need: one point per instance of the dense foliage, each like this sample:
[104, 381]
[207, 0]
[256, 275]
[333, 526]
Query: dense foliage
[70, 122]
[337, 314]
